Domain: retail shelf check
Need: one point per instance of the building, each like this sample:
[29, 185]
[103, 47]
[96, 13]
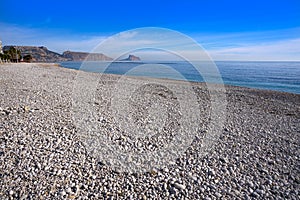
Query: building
[1, 51]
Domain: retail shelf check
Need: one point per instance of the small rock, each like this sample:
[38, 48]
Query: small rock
[172, 190]
[153, 172]
[69, 190]
[179, 186]
[129, 159]
[250, 190]
[202, 190]
[250, 184]
[166, 170]
[223, 160]
[254, 194]
[58, 172]
[38, 166]
[72, 196]
[7, 112]
[269, 182]
[211, 172]
[263, 170]
[218, 195]
[260, 192]
[63, 193]
[26, 108]
[165, 186]
[191, 176]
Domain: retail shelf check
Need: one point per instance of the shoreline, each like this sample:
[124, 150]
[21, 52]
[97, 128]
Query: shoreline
[231, 84]
[257, 91]
[255, 156]
[167, 79]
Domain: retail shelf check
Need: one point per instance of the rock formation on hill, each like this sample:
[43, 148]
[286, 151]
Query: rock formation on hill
[131, 58]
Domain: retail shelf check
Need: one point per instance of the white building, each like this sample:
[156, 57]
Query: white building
[1, 47]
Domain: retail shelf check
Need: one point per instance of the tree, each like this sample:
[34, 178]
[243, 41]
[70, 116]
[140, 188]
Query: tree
[5, 56]
[13, 54]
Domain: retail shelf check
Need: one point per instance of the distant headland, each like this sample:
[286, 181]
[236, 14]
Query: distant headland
[131, 58]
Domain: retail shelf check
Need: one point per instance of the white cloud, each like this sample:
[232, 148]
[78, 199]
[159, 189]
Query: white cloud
[150, 43]
[277, 50]
[126, 34]
[85, 45]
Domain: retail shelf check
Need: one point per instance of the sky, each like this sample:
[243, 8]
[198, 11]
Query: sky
[226, 29]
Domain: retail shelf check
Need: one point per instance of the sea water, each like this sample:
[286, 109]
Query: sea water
[279, 76]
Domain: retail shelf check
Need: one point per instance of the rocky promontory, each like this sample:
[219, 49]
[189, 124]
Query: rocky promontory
[131, 58]
[80, 56]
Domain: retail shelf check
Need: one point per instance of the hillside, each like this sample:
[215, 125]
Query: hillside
[39, 54]
[80, 56]
[42, 54]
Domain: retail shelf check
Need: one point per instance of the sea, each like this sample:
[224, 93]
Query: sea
[278, 76]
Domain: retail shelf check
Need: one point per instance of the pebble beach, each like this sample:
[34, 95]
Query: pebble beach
[256, 155]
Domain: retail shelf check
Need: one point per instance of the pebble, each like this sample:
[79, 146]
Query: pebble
[254, 194]
[260, 192]
[191, 176]
[218, 195]
[223, 160]
[251, 185]
[58, 172]
[26, 108]
[63, 193]
[179, 186]
[211, 172]
[69, 190]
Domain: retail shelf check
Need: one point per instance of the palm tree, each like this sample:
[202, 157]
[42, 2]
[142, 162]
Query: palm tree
[14, 54]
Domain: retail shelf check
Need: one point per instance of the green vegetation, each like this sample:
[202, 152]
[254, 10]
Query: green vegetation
[27, 58]
[14, 55]
[4, 56]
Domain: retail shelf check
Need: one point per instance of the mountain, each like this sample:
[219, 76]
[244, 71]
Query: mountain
[39, 54]
[80, 56]
[42, 54]
[131, 58]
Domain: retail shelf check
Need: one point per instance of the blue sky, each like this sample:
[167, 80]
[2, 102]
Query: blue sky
[228, 30]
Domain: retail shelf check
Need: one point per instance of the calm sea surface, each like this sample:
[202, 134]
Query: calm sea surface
[280, 76]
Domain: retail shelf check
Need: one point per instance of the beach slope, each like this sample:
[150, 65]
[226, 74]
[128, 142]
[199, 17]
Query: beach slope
[42, 156]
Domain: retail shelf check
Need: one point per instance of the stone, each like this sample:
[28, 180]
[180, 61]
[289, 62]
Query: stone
[179, 186]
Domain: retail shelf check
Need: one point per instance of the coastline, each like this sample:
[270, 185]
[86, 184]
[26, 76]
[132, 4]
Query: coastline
[231, 72]
[254, 89]
[256, 155]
